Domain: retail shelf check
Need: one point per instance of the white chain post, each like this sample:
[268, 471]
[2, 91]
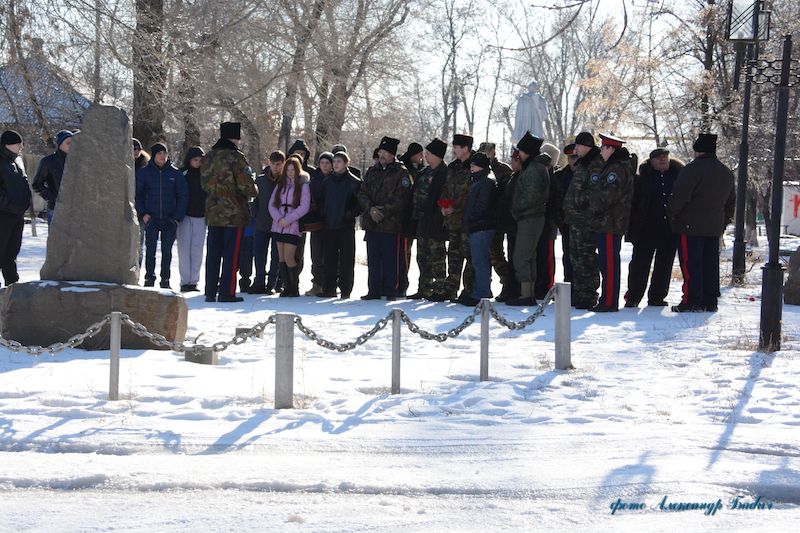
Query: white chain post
[396, 324]
[115, 341]
[284, 361]
[485, 303]
[563, 326]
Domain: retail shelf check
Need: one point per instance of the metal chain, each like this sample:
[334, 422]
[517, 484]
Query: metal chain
[57, 347]
[345, 346]
[160, 340]
[510, 324]
[441, 337]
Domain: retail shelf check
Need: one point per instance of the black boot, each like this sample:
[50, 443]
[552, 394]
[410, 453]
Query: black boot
[294, 281]
[283, 277]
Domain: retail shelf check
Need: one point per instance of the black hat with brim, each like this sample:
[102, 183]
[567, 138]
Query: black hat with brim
[585, 138]
[658, 152]
[480, 159]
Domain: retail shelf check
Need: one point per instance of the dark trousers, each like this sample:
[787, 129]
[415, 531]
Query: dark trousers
[512, 283]
[608, 246]
[458, 261]
[383, 258]
[246, 262]
[403, 264]
[261, 242]
[11, 226]
[166, 228]
[317, 257]
[497, 258]
[545, 266]
[565, 258]
[340, 259]
[699, 258]
[222, 250]
[663, 248]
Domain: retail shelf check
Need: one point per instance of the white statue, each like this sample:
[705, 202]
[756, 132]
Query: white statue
[530, 115]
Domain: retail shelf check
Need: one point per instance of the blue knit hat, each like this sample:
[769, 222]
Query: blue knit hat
[62, 136]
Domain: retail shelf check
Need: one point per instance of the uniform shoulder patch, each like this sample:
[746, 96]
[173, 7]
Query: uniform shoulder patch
[406, 182]
[594, 178]
[248, 171]
[611, 178]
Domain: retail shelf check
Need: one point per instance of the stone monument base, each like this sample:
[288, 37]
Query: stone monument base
[44, 312]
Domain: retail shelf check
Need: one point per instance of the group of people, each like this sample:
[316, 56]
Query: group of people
[468, 216]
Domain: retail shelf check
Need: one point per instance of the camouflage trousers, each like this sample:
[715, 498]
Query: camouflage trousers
[431, 260]
[585, 273]
[497, 257]
[457, 253]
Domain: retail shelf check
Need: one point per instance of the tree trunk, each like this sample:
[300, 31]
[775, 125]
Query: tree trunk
[289, 107]
[149, 72]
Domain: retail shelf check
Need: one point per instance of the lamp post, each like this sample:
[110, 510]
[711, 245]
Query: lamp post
[746, 28]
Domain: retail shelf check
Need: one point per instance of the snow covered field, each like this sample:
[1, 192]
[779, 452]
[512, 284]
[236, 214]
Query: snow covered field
[661, 409]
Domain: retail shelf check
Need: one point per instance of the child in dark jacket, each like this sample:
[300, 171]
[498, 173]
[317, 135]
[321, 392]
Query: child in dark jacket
[339, 211]
[480, 222]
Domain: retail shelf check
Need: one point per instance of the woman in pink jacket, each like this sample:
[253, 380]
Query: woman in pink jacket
[290, 200]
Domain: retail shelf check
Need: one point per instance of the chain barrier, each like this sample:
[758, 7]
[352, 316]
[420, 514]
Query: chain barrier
[345, 346]
[160, 340]
[57, 347]
[258, 330]
[441, 337]
[510, 324]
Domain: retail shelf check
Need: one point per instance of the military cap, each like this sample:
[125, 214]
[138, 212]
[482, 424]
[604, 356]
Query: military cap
[462, 140]
[606, 139]
[230, 130]
[437, 147]
[389, 144]
[658, 152]
[530, 144]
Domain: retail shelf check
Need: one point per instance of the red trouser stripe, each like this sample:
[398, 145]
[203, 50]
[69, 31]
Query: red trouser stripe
[235, 272]
[684, 251]
[609, 269]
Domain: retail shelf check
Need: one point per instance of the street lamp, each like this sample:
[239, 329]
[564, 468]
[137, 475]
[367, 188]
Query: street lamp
[747, 24]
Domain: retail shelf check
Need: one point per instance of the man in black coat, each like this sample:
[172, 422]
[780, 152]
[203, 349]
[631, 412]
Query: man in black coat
[701, 205]
[649, 230]
[15, 199]
[47, 180]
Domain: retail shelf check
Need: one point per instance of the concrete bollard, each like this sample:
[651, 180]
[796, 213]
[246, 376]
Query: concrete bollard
[563, 326]
[284, 361]
[396, 329]
[115, 342]
[206, 356]
[485, 303]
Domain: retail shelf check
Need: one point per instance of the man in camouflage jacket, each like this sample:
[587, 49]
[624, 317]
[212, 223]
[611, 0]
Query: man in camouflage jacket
[583, 239]
[455, 190]
[610, 208]
[228, 182]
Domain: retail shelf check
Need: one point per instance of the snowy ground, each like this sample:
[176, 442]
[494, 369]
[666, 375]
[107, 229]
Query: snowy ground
[659, 405]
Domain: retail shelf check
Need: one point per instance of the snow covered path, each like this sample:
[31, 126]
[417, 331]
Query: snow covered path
[660, 405]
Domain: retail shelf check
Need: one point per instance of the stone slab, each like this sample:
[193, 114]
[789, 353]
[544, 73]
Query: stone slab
[44, 312]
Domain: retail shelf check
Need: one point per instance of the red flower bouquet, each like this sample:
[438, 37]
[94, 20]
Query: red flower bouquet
[445, 203]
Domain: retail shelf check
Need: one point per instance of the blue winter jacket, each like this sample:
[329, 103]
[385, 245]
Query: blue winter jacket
[161, 192]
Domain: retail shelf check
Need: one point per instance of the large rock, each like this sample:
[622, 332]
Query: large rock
[791, 289]
[44, 312]
[95, 234]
